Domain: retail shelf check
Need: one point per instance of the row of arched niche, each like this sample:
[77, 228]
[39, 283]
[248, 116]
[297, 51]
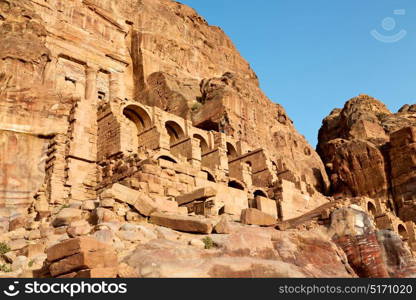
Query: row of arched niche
[143, 122]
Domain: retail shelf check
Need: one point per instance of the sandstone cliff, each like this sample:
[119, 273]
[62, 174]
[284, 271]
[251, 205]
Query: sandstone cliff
[191, 69]
[369, 151]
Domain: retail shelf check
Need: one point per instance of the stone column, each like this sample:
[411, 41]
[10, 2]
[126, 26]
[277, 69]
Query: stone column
[91, 84]
[49, 76]
[82, 172]
[115, 88]
[196, 153]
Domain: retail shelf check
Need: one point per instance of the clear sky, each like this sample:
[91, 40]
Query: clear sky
[313, 55]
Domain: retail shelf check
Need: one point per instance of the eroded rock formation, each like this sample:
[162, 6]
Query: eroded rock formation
[369, 151]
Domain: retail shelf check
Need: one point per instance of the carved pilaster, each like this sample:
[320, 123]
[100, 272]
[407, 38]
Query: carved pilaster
[115, 86]
[91, 83]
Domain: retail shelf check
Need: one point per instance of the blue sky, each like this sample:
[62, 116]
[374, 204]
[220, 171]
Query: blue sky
[313, 56]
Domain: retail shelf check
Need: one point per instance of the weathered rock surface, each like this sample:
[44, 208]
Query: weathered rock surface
[400, 263]
[196, 224]
[252, 216]
[66, 215]
[247, 253]
[103, 258]
[82, 257]
[371, 253]
[370, 151]
[141, 201]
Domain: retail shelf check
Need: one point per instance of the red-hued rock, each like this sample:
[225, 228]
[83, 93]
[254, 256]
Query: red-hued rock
[73, 246]
[103, 258]
[251, 252]
[196, 224]
[398, 259]
[403, 171]
[371, 253]
[357, 168]
[370, 151]
[364, 255]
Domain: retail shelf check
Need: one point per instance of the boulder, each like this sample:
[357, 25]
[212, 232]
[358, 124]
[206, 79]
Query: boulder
[130, 235]
[121, 193]
[107, 203]
[195, 224]
[197, 243]
[142, 202]
[78, 228]
[226, 226]
[34, 235]
[267, 206]
[105, 236]
[199, 194]
[66, 215]
[17, 223]
[73, 246]
[101, 258]
[33, 250]
[147, 205]
[253, 216]
[89, 205]
[371, 253]
[20, 263]
[105, 215]
[17, 244]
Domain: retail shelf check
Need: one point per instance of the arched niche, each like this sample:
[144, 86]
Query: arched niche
[371, 209]
[402, 232]
[138, 116]
[167, 158]
[140, 121]
[231, 151]
[235, 184]
[175, 132]
[210, 176]
[260, 193]
[203, 144]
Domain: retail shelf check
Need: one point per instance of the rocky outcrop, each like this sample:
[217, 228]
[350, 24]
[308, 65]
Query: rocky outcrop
[246, 253]
[81, 258]
[402, 155]
[357, 168]
[371, 253]
[30, 111]
[369, 151]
